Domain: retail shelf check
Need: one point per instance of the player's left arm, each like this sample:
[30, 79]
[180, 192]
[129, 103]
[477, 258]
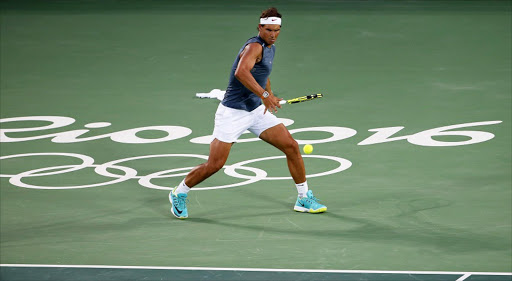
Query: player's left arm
[267, 87]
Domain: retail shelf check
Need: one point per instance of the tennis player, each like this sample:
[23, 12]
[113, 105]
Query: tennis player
[249, 104]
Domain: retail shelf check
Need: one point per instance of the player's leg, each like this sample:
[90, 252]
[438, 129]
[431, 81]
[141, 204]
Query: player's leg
[229, 125]
[281, 138]
[219, 152]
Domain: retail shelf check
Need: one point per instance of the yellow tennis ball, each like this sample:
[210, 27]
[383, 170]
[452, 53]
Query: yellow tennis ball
[308, 148]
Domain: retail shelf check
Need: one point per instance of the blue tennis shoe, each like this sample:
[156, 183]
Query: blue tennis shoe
[179, 204]
[309, 204]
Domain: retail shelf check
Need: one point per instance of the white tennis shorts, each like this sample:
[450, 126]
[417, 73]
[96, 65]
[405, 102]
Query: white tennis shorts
[231, 123]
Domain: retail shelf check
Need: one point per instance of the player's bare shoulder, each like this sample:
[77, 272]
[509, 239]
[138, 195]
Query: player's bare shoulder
[253, 50]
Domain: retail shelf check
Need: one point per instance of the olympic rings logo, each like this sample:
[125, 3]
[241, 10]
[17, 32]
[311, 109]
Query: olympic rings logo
[128, 173]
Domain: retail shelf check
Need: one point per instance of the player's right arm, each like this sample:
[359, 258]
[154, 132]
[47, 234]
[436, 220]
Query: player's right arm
[248, 58]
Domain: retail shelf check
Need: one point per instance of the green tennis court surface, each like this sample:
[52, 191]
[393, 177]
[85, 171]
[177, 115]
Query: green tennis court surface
[412, 142]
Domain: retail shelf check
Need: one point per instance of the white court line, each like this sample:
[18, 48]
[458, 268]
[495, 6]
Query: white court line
[465, 274]
[464, 277]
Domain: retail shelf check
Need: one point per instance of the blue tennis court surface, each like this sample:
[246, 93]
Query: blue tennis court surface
[45, 272]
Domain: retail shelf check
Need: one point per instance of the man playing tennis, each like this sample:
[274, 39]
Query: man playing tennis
[249, 104]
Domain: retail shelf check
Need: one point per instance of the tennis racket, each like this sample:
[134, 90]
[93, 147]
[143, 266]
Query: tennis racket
[302, 99]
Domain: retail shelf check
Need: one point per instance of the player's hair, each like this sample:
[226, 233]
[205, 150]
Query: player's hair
[270, 12]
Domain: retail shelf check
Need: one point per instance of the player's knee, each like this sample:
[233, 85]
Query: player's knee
[214, 166]
[291, 146]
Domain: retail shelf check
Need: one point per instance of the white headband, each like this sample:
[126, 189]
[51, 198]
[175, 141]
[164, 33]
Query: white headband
[270, 20]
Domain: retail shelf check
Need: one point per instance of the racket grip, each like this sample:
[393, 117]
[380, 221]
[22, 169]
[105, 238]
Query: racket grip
[282, 102]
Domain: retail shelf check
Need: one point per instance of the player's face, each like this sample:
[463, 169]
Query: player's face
[269, 32]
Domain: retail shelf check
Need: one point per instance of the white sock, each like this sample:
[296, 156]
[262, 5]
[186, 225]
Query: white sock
[182, 188]
[302, 188]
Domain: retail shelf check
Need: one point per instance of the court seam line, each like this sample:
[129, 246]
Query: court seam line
[259, 269]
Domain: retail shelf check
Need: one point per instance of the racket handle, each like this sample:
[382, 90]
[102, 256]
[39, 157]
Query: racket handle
[282, 102]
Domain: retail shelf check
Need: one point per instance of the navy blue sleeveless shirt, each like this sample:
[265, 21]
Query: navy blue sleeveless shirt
[237, 95]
